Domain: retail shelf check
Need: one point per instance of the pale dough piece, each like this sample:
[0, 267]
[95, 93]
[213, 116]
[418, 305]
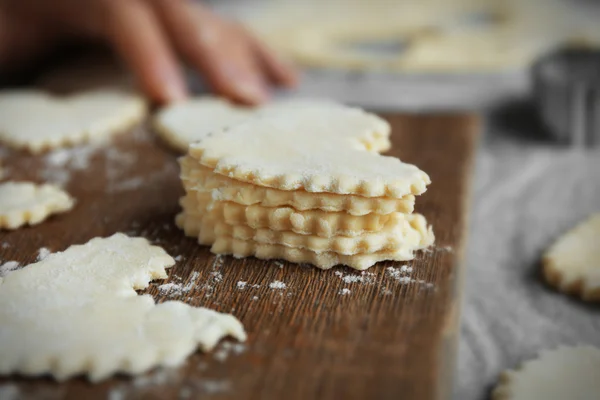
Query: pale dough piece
[310, 222]
[77, 312]
[316, 149]
[37, 121]
[24, 203]
[572, 263]
[400, 233]
[202, 179]
[563, 373]
[325, 260]
[182, 123]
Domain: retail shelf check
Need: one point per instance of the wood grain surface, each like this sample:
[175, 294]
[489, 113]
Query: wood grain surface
[393, 335]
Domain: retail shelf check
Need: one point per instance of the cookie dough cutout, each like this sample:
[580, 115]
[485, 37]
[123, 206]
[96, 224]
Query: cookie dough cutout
[572, 263]
[564, 373]
[324, 260]
[77, 312]
[186, 122]
[316, 149]
[37, 121]
[400, 233]
[23, 203]
[310, 222]
[201, 179]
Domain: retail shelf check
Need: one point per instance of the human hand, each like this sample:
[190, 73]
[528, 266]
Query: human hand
[151, 36]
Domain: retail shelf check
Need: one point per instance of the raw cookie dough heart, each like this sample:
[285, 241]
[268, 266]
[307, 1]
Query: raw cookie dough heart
[37, 121]
[316, 149]
[183, 123]
[197, 178]
[77, 312]
[572, 264]
[186, 122]
[24, 203]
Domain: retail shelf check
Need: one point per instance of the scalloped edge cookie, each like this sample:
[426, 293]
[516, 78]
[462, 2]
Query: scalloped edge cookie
[316, 149]
[196, 177]
[563, 373]
[26, 203]
[182, 123]
[310, 222]
[77, 313]
[37, 121]
[325, 260]
[572, 264]
[401, 232]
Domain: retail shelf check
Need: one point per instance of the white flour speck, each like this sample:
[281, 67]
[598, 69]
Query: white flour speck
[277, 285]
[43, 253]
[344, 291]
[177, 289]
[217, 276]
[241, 285]
[364, 277]
[5, 245]
[278, 264]
[255, 298]
[8, 267]
[59, 163]
[228, 348]
[178, 258]
[217, 262]
[129, 184]
[214, 387]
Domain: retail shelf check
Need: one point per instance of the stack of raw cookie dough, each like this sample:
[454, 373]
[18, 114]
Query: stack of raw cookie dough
[304, 183]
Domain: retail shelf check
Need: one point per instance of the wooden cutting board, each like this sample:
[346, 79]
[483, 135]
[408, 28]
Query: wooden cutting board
[391, 334]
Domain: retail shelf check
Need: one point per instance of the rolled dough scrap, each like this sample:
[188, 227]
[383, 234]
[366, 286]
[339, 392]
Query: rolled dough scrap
[572, 263]
[325, 260]
[401, 232]
[38, 121]
[316, 149]
[186, 122]
[310, 222]
[202, 179]
[182, 123]
[77, 312]
[563, 373]
[27, 203]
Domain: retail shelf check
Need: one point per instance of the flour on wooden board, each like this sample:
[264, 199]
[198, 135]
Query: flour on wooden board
[228, 348]
[277, 285]
[43, 253]
[363, 277]
[8, 267]
[172, 289]
[60, 164]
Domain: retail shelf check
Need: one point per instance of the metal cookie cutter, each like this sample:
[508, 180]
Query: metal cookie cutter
[567, 92]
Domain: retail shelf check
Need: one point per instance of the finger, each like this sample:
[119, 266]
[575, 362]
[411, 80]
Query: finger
[138, 37]
[216, 49]
[278, 70]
